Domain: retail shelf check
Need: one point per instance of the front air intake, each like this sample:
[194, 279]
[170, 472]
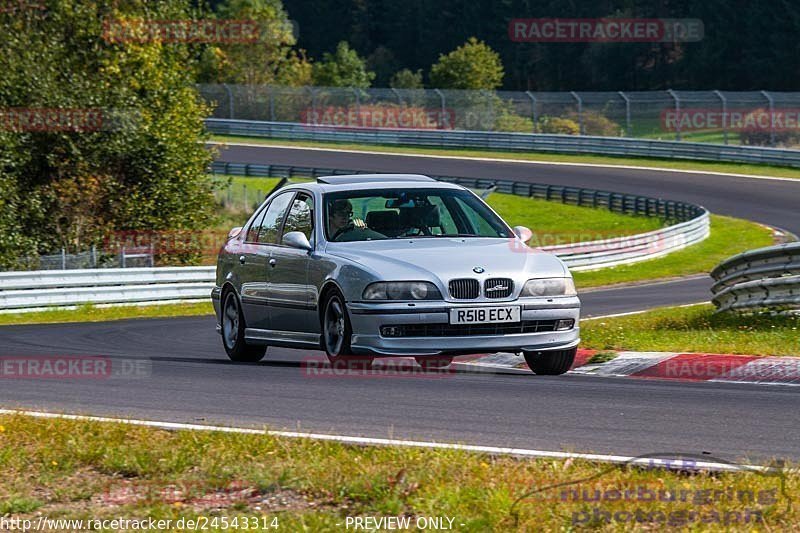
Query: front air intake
[464, 289]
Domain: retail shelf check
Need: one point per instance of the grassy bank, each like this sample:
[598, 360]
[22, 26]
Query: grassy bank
[87, 470]
[695, 329]
[701, 166]
[91, 313]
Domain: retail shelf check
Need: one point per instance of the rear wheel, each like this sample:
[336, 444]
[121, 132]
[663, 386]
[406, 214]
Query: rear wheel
[550, 363]
[432, 363]
[336, 333]
[233, 333]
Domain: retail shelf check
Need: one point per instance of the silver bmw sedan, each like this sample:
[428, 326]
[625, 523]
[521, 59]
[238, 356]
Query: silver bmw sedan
[365, 266]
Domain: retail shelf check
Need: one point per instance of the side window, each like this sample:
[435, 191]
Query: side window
[252, 231]
[271, 225]
[300, 216]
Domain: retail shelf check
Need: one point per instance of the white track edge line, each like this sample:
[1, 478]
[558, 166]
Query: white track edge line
[509, 160]
[344, 439]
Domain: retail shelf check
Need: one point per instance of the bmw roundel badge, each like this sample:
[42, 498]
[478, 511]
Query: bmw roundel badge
[478, 270]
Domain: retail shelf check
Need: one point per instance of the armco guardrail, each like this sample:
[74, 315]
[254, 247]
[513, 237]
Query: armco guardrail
[51, 288]
[519, 142]
[693, 223]
[762, 278]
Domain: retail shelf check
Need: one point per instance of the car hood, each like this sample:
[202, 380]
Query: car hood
[447, 258]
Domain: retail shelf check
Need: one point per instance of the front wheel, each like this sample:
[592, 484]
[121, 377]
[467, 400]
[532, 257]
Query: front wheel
[550, 363]
[336, 333]
[233, 333]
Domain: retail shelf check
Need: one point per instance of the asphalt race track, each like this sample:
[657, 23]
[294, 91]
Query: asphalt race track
[189, 379]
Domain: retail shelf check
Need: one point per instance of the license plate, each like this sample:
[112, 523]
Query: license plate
[484, 315]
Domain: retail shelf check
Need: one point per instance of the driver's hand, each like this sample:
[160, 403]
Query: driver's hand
[358, 223]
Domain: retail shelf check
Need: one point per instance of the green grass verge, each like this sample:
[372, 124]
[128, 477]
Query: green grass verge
[702, 166]
[556, 223]
[87, 470]
[90, 313]
[729, 236]
[695, 329]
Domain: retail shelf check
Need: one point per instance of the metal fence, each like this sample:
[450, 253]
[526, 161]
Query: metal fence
[763, 118]
[762, 278]
[92, 258]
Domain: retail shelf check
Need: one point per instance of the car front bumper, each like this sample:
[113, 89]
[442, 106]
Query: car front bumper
[368, 318]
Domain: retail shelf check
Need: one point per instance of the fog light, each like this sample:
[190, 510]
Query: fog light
[391, 331]
[563, 324]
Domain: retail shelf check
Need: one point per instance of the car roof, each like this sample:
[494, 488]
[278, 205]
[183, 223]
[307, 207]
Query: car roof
[347, 179]
[365, 182]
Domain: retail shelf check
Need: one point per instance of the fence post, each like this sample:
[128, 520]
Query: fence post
[724, 116]
[533, 110]
[443, 102]
[63, 259]
[397, 94]
[771, 117]
[272, 104]
[358, 103]
[677, 114]
[93, 251]
[627, 113]
[230, 100]
[488, 125]
[313, 104]
[580, 112]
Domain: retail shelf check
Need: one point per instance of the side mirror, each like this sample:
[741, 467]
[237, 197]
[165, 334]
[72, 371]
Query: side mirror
[297, 239]
[523, 233]
[234, 232]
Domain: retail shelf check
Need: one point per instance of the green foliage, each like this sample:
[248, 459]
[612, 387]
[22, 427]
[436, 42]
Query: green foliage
[407, 79]
[343, 68]
[473, 65]
[595, 123]
[754, 134]
[143, 168]
[270, 60]
[563, 126]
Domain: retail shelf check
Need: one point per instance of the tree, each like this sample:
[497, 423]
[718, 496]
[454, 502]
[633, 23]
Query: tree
[343, 68]
[407, 79]
[270, 60]
[471, 66]
[142, 165]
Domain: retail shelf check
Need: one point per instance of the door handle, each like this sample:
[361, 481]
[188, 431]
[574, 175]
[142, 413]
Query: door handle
[272, 262]
[241, 259]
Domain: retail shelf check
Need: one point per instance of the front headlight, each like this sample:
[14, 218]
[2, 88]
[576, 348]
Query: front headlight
[402, 290]
[549, 287]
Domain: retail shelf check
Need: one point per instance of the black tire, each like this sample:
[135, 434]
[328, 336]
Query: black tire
[336, 334]
[433, 363]
[233, 326]
[550, 363]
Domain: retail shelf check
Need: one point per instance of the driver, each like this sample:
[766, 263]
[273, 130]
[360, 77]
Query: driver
[343, 227]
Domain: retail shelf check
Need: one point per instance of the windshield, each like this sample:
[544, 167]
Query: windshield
[401, 213]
